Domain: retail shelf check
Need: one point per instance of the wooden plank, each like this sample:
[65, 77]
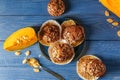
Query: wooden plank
[95, 28]
[108, 51]
[39, 7]
[23, 7]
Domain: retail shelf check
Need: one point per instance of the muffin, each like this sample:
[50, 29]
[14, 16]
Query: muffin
[68, 23]
[72, 33]
[90, 67]
[56, 7]
[49, 32]
[61, 52]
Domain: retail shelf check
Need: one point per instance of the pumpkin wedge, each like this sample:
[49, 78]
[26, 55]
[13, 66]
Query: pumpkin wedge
[112, 5]
[20, 39]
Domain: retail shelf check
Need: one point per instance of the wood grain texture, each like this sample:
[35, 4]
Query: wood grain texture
[102, 40]
[108, 51]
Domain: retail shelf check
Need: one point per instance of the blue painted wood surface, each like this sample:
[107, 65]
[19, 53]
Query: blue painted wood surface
[102, 40]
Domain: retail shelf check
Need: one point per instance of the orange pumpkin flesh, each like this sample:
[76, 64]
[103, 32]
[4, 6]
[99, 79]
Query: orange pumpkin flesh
[20, 39]
[112, 5]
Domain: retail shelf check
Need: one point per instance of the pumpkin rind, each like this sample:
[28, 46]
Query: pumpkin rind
[112, 5]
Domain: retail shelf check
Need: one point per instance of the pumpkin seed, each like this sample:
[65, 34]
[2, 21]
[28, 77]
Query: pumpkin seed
[18, 41]
[24, 61]
[25, 37]
[17, 53]
[118, 33]
[115, 23]
[110, 20]
[27, 53]
[107, 13]
[36, 70]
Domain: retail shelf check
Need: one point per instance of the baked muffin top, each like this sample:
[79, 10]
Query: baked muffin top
[56, 7]
[90, 67]
[74, 35]
[49, 33]
[61, 53]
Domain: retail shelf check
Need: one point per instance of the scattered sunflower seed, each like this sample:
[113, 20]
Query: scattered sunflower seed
[27, 53]
[36, 70]
[107, 13]
[17, 53]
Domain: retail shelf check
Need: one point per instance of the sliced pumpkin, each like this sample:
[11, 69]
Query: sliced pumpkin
[112, 5]
[20, 39]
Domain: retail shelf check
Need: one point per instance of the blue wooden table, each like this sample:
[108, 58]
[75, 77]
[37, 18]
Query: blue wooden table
[101, 38]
